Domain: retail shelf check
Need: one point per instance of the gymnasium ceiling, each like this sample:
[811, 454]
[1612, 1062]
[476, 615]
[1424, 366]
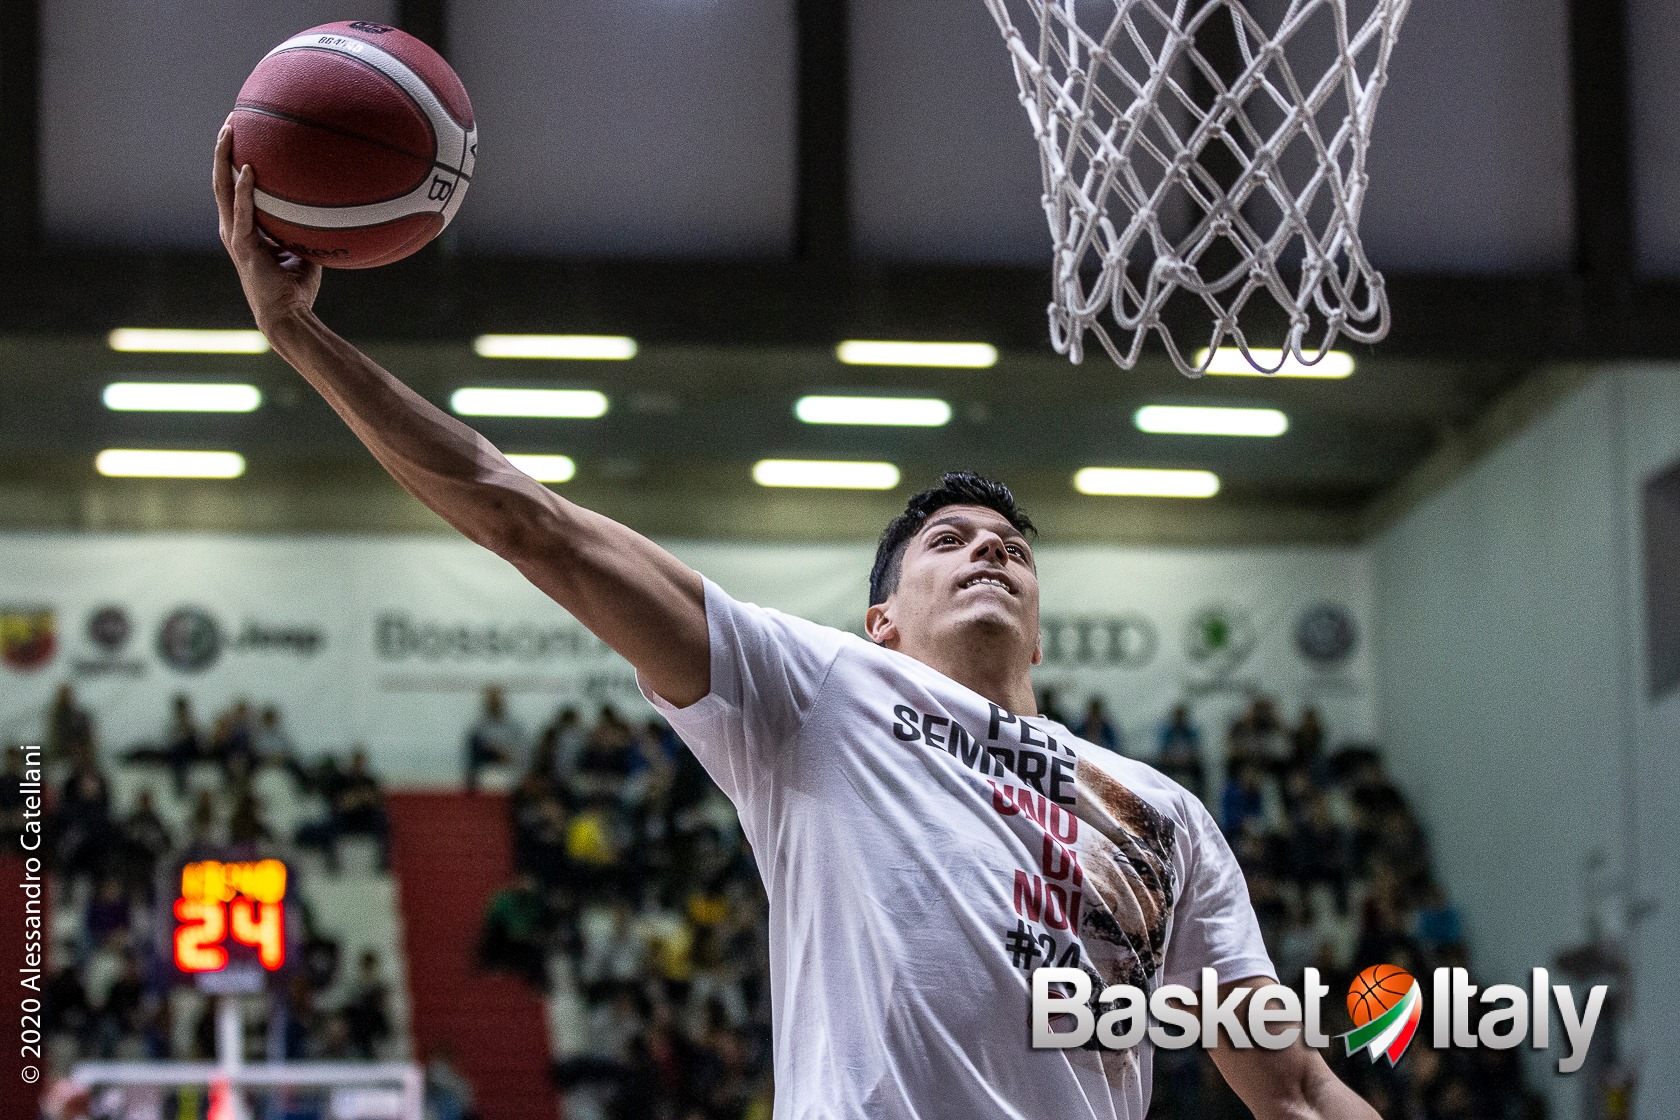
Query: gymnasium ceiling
[739, 185]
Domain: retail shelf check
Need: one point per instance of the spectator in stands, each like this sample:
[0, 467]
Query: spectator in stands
[596, 840]
[83, 820]
[1097, 728]
[271, 744]
[496, 739]
[145, 841]
[1048, 706]
[449, 1095]
[355, 806]
[542, 842]
[611, 1026]
[183, 744]
[608, 758]
[569, 738]
[332, 1042]
[545, 759]
[1320, 850]
[322, 778]
[1256, 738]
[246, 826]
[201, 825]
[121, 1012]
[1243, 799]
[514, 927]
[614, 952]
[1306, 742]
[65, 1007]
[1180, 746]
[107, 914]
[69, 727]
[360, 806]
[367, 1012]
[231, 743]
[1299, 941]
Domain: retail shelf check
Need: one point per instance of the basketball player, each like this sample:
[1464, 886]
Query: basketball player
[926, 839]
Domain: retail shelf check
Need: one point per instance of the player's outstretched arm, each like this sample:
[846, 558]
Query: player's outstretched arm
[635, 596]
[1289, 1084]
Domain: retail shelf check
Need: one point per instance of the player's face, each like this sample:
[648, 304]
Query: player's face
[966, 567]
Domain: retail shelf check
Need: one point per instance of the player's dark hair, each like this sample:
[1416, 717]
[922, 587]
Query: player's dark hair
[956, 488]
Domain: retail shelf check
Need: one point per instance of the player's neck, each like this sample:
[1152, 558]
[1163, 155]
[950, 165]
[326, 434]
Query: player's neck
[988, 663]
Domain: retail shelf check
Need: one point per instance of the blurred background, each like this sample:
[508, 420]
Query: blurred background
[1418, 650]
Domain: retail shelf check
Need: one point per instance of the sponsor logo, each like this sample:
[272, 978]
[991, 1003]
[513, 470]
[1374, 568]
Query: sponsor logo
[108, 630]
[1325, 635]
[397, 636]
[1219, 642]
[1124, 641]
[189, 640]
[28, 637]
[1220, 635]
[370, 28]
[260, 637]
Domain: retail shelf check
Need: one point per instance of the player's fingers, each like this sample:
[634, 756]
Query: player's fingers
[221, 179]
[244, 206]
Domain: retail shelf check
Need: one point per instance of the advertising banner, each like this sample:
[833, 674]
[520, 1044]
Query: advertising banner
[389, 641]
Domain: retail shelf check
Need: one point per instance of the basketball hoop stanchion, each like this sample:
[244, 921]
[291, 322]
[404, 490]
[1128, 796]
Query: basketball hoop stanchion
[1124, 115]
[388, 1090]
[230, 933]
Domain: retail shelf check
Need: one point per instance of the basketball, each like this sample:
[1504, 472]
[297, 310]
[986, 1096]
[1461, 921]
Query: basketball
[1376, 990]
[363, 143]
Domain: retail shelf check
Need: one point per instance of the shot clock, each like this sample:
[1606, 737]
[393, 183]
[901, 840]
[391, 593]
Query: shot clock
[226, 922]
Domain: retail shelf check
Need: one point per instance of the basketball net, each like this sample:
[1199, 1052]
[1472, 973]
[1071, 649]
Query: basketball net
[1194, 146]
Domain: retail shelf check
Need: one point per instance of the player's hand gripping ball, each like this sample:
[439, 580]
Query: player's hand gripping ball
[362, 140]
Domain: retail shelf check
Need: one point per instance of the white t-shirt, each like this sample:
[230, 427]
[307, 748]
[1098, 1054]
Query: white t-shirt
[923, 851]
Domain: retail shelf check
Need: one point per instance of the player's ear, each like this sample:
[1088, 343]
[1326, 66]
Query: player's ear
[880, 627]
[1038, 649]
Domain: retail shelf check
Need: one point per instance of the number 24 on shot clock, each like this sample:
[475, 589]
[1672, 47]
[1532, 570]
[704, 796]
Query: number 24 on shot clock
[229, 912]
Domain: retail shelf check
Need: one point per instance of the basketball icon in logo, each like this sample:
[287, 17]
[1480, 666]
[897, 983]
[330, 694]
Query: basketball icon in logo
[1376, 990]
[1386, 1006]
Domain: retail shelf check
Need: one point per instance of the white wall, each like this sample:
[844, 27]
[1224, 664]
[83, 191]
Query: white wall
[1652, 408]
[1511, 698]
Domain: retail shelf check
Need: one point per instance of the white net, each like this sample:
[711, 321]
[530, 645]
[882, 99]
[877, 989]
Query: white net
[1210, 149]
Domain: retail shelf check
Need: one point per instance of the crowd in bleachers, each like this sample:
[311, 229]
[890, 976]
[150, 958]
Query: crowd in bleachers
[637, 908]
[1339, 871]
[193, 790]
[637, 904]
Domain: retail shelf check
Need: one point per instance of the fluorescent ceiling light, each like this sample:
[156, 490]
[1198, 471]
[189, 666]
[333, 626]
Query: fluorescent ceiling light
[954, 355]
[159, 396]
[1168, 419]
[546, 468]
[905, 412]
[575, 347]
[577, 404]
[825, 475]
[145, 340]
[1228, 361]
[124, 463]
[1141, 483]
